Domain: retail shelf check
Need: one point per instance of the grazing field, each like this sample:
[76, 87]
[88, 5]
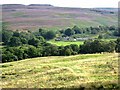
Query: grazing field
[95, 70]
[64, 43]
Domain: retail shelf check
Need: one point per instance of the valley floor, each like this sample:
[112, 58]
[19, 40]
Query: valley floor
[61, 71]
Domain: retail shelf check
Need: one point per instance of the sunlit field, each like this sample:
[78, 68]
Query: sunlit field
[90, 70]
[64, 43]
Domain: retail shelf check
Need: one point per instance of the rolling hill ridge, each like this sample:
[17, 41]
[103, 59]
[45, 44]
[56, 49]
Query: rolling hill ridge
[34, 16]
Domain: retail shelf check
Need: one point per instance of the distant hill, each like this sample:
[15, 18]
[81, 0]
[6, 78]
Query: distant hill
[34, 16]
[13, 6]
[39, 5]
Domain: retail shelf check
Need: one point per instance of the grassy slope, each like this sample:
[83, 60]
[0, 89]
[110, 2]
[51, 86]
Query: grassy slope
[55, 18]
[64, 71]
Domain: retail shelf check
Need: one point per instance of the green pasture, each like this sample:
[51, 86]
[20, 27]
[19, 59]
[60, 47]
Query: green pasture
[94, 70]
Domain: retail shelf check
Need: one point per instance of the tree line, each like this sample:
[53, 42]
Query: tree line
[110, 30]
[18, 38]
[19, 45]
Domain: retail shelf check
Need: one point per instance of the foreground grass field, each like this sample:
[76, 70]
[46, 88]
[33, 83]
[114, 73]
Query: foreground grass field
[62, 71]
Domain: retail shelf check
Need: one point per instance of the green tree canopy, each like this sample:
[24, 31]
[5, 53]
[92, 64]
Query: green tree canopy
[69, 32]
